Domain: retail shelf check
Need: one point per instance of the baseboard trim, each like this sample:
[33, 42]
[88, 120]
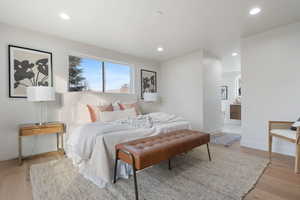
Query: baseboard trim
[51, 153]
[253, 144]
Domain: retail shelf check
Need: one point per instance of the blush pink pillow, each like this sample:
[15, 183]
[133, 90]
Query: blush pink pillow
[132, 105]
[122, 106]
[94, 111]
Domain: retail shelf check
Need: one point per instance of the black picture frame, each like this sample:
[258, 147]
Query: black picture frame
[224, 92]
[153, 87]
[45, 69]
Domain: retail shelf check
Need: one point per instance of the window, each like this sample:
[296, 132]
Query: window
[117, 78]
[86, 74]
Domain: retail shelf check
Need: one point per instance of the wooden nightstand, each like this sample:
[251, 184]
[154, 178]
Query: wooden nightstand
[57, 128]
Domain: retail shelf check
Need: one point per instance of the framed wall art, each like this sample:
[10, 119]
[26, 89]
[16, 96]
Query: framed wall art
[148, 82]
[28, 67]
[224, 92]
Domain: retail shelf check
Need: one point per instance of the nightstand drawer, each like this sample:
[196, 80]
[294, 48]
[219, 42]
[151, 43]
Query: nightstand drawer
[46, 130]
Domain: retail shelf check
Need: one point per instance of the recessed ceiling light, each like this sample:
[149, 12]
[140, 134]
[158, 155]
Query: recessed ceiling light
[234, 54]
[160, 49]
[254, 11]
[64, 16]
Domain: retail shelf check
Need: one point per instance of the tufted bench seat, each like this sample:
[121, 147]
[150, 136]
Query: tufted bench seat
[149, 151]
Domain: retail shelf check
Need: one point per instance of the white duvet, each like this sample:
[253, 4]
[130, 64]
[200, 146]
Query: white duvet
[91, 146]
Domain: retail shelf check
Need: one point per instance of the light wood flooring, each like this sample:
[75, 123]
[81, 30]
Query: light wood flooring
[279, 182]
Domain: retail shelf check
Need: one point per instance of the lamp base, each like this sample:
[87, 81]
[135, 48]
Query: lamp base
[41, 123]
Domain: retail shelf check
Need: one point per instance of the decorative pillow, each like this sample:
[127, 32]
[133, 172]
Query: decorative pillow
[93, 112]
[132, 105]
[96, 110]
[122, 106]
[295, 125]
[116, 105]
[117, 115]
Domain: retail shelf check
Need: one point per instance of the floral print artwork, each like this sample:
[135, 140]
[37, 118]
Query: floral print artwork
[28, 68]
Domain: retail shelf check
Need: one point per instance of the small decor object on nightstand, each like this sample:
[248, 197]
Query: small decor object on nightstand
[57, 128]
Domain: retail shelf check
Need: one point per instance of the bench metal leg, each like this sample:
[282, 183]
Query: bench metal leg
[116, 166]
[170, 164]
[208, 152]
[133, 168]
[135, 182]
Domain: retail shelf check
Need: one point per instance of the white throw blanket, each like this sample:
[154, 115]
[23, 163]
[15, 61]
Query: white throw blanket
[84, 137]
[160, 117]
[92, 145]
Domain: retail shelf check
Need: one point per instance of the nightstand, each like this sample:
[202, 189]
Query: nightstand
[57, 128]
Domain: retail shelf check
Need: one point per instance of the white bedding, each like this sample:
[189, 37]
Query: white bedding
[91, 146]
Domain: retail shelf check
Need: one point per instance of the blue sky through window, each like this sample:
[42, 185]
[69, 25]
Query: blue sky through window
[117, 76]
[92, 71]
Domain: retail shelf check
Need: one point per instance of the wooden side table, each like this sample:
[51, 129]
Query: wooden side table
[57, 128]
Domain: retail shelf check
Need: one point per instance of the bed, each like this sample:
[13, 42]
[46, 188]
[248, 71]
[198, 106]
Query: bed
[90, 146]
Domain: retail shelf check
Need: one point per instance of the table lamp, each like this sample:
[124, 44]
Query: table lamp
[41, 95]
[150, 97]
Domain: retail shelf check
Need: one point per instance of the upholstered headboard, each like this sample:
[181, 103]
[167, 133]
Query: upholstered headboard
[74, 108]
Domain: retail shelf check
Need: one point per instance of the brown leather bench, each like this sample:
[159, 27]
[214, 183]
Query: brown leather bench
[149, 151]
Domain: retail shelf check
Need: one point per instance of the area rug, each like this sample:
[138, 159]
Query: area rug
[226, 139]
[229, 176]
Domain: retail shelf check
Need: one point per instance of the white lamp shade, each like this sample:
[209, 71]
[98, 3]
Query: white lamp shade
[150, 97]
[40, 93]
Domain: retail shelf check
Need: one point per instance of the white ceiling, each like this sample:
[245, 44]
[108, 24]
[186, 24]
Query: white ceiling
[134, 27]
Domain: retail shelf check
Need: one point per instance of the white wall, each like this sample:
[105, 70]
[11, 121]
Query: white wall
[270, 71]
[189, 87]
[229, 79]
[212, 76]
[16, 111]
[181, 88]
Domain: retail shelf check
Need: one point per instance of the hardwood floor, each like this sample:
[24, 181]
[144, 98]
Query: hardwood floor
[14, 179]
[278, 182]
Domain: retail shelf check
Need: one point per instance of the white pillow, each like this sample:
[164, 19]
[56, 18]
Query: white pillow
[80, 114]
[116, 115]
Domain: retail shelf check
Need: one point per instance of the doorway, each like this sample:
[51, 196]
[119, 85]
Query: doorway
[231, 104]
